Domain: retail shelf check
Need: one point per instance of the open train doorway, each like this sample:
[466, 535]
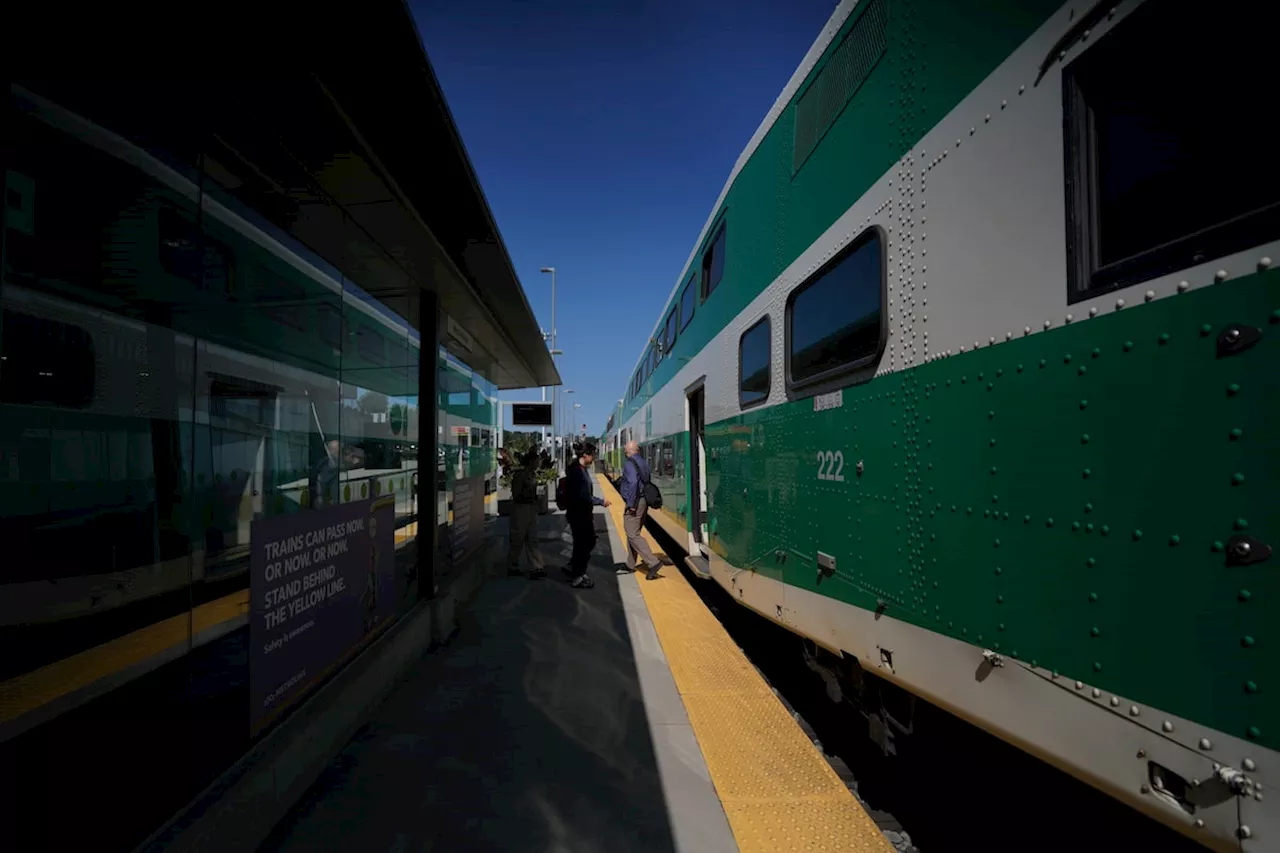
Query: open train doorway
[696, 412]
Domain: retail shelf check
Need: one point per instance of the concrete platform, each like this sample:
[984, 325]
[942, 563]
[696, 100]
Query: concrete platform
[551, 722]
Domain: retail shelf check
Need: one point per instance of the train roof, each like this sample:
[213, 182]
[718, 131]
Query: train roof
[816, 51]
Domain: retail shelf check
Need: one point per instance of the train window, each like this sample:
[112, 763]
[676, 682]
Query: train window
[282, 300]
[190, 255]
[688, 301]
[669, 336]
[835, 321]
[753, 364]
[329, 324]
[1150, 187]
[668, 458]
[713, 263]
[371, 346]
[45, 362]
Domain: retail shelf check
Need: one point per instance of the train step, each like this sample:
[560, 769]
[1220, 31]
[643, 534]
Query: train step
[699, 566]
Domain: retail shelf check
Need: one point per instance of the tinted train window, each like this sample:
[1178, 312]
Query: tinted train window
[188, 254]
[713, 263]
[282, 300]
[669, 337]
[835, 319]
[45, 362]
[753, 364]
[371, 346]
[329, 324]
[688, 301]
[1153, 181]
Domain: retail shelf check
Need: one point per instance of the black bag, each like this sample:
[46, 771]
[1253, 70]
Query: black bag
[652, 496]
[648, 491]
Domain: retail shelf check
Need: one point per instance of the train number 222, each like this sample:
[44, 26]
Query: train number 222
[831, 465]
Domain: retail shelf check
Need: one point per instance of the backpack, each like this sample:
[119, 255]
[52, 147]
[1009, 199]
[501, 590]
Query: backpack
[652, 496]
[523, 488]
[648, 491]
[562, 494]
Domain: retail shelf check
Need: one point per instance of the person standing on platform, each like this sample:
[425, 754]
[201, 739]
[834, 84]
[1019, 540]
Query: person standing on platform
[581, 500]
[324, 477]
[635, 476]
[524, 516]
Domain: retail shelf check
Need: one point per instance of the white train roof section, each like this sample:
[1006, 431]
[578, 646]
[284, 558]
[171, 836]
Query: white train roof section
[834, 23]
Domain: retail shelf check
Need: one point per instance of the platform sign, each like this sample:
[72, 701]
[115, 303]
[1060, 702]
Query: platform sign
[466, 533]
[531, 414]
[320, 582]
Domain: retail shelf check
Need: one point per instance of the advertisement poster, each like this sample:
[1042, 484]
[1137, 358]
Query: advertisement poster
[320, 581]
[467, 531]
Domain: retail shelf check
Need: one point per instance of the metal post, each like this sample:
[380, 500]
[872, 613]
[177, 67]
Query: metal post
[554, 419]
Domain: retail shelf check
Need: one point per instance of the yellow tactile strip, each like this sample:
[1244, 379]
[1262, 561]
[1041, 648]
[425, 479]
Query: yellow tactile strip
[778, 792]
[27, 692]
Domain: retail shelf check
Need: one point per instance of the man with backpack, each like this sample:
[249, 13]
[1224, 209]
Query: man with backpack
[576, 496]
[639, 494]
[524, 516]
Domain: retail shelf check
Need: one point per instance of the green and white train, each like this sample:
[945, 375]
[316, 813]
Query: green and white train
[971, 380]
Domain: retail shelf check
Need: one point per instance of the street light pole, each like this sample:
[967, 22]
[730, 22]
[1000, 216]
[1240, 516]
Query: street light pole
[543, 430]
[565, 413]
[554, 353]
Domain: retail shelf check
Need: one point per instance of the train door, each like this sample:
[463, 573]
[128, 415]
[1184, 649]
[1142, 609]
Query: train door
[241, 414]
[697, 470]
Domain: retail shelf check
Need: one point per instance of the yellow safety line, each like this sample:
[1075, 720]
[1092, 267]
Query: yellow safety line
[24, 693]
[777, 790]
[29, 691]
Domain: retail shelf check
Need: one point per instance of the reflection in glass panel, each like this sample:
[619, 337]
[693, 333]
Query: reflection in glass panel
[168, 379]
[753, 364]
[467, 458]
[834, 318]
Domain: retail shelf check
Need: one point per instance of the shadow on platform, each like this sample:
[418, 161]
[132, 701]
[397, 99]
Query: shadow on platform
[526, 732]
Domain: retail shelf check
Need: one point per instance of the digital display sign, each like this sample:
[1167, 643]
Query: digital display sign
[531, 414]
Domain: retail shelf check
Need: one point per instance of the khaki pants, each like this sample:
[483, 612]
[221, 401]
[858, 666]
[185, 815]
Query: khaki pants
[524, 535]
[633, 527]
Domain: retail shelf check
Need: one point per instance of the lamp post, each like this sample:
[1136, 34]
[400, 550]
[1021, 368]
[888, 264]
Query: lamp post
[543, 430]
[566, 413]
[554, 351]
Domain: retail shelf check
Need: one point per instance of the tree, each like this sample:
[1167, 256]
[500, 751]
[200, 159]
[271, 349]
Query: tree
[518, 442]
[398, 414]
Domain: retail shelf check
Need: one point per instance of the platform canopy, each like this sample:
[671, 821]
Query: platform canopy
[332, 126]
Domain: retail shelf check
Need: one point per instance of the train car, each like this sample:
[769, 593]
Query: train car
[971, 380]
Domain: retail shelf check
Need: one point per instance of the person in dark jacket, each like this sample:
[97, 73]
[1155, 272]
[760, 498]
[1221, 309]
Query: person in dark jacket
[524, 516]
[324, 477]
[635, 475]
[581, 500]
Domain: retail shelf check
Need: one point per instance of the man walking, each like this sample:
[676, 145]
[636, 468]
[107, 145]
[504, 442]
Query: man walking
[635, 476]
[524, 515]
[324, 477]
[581, 499]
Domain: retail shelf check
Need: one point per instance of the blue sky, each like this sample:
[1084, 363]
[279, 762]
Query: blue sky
[602, 133]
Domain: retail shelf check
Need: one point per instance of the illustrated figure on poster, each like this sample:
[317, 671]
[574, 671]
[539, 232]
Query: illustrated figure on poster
[370, 595]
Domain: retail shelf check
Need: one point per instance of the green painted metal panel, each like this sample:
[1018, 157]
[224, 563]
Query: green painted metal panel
[938, 51]
[1063, 498]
